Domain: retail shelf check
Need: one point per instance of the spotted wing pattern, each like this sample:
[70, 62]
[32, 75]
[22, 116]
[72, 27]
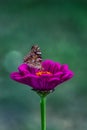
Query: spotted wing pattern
[34, 57]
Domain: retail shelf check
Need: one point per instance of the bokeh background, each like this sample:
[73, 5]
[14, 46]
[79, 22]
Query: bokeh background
[59, 27]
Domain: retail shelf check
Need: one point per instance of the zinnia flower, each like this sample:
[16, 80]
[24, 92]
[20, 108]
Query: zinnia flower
[41, 76]
[50, 76]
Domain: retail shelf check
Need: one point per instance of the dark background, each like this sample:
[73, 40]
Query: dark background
[59, 27]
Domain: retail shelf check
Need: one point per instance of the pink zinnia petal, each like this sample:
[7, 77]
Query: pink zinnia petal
[51, 66]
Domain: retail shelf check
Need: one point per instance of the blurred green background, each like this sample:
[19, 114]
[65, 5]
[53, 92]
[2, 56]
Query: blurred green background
[59, 27]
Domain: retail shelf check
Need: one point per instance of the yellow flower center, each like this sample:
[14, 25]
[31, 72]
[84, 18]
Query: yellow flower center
[39, 73]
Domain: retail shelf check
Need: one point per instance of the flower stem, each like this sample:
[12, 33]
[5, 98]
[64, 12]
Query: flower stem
[43, 112]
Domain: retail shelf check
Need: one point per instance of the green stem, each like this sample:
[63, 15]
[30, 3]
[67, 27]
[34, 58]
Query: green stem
[43, 112]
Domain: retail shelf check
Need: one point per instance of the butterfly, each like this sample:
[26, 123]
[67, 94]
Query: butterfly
[34, 58]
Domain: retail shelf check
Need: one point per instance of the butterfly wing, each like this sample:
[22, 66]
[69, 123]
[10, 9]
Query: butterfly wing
[34, 57]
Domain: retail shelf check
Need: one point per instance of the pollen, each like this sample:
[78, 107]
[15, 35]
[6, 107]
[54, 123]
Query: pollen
[39, 73]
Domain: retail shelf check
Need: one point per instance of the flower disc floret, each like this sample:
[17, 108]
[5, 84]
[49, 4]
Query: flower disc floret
[39, 73]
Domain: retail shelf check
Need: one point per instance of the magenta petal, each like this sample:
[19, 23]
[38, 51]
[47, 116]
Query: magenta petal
[53, 83]
[67, 76]
[24, 69]
[39, 83]
[64, 67]
[15, 75]
[59, 74]
[51, 66]
[22, 79]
